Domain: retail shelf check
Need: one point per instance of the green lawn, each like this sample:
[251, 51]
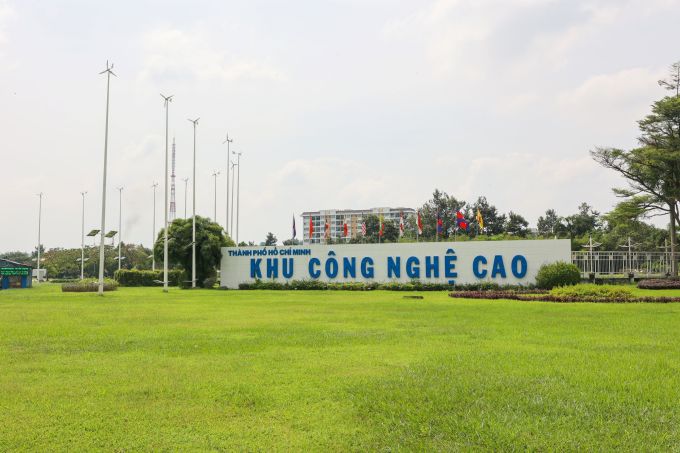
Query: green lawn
[228, 370]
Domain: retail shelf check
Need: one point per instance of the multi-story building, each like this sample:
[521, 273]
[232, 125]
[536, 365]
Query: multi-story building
[337, 218]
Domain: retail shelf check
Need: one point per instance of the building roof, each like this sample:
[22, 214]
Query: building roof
[9, 263]
[359, 211]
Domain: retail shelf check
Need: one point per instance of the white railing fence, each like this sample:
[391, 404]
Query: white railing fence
[618, 263]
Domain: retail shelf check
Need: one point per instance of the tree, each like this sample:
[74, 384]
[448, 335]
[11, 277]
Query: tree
[551, 224]
[584, 222]
[292, 242]
[517, 225]
[390, 231]
[210, 239]
[442, 206]
[653, 170]
[270, 239]
[18, 257]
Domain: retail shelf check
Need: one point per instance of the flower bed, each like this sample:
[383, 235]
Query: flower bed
[659, 283]
[513, 295]
[88, 286]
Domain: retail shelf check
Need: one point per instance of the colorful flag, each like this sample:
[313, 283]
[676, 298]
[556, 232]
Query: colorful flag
[420, 224]
[460, 221]
[345, 229]
[311, 227]
[294, 231]
[480, 220]
[381, 231]
[440, 225]
[363, 228]
[327, 229]
[401, 224]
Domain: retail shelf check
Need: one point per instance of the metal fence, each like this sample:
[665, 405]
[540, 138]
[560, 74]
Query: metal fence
[617, 263]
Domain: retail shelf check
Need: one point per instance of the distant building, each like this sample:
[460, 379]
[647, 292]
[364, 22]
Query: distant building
[14, 275]
[337, 217]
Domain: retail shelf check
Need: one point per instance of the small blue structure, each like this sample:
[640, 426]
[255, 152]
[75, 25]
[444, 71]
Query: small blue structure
[15, 275]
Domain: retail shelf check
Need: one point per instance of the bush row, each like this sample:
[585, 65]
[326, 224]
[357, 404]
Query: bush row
[89, 285]
[592, 290]
[414, 285]
[659, 283]
[554, 298]
[134, 277]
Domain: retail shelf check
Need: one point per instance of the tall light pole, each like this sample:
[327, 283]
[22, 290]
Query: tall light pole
[238, 191]
[82, 239]
[120, 222]
[193, 213]
[215, 173]
[167, 100]
[228, 141]
[153, 236]
[108, 71]
[186, 180]
[231, 219]
[40, 195]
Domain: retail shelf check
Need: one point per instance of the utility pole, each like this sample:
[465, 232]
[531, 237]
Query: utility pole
[231, 216]
[153, 236]
[40, 196]
[108, 71]
[82, 239]
[228, 141]
[193, 213]
[120, 222]
[238, 191]
[167, 100]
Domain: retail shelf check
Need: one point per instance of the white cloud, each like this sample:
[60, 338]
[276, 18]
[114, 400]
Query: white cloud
[618, 98]
[6, 13]
[178, 54]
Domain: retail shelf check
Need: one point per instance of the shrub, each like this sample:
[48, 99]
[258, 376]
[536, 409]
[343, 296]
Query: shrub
[89, 285]
[659, 283]
[591, 290]
[134, 277]
[557, 274]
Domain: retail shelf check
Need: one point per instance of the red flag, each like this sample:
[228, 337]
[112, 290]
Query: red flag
[382, 227]
[401, 224]
[344, 229]
[311, 227]
[327, 229]
[420, 224]
[363, 228]
[460, 221]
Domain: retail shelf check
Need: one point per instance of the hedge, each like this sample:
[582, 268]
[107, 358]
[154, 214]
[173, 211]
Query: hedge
[659, 283]
[414, 285]
[557, 274]
[89, 285]
[134, 277]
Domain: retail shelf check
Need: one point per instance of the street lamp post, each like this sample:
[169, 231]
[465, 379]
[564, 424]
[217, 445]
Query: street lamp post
[108, 71]
[120, 223]
[193, 213]
[215, 173]
[231, 216]
[167, 100]
[40, 196]
[153, 236]
[238, 191]
[228, 141]
[186, 180]
[82, 239]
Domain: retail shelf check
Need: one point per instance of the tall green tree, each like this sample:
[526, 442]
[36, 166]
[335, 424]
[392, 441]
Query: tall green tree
[494, 221]
[445, 207]
[550, 224]
[210, 238]
[517, 225]
[653, 169]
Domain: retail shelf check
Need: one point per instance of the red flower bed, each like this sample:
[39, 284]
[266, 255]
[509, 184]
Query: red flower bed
[659, 283]
[510, 295]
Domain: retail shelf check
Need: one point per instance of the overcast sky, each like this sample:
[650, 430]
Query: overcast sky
[334, 104]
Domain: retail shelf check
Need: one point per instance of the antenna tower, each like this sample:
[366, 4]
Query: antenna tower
[172, 184]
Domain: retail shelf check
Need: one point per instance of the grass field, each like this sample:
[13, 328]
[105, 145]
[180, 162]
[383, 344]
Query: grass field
[257, 370]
